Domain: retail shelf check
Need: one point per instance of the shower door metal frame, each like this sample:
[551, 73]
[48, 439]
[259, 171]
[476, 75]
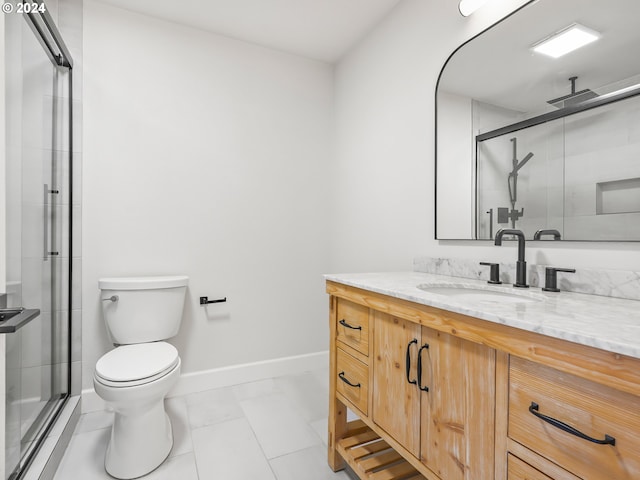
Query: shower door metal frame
[598, 101]
[48, 35]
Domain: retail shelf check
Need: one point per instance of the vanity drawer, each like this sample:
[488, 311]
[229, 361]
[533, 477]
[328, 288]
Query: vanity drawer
[353, 380]
[353, 325]
[591, 408]
[519, 470]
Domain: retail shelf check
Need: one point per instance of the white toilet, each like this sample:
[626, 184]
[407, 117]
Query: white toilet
[134, 378]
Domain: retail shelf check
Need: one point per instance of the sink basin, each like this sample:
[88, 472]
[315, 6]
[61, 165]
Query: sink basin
[476, 294]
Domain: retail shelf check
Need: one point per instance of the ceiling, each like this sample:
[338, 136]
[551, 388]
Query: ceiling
[319, 29]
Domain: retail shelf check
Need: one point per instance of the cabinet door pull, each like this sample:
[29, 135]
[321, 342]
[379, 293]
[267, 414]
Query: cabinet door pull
[344, 323]
[534, 407]
[408, 361]
[344, 379]
[424, 347]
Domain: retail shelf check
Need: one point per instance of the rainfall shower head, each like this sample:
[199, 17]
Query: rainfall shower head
[574, 97]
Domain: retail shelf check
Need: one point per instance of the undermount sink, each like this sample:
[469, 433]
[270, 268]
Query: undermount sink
[476, 294]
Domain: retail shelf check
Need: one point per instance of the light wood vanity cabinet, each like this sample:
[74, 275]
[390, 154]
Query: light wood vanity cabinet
[476, 421]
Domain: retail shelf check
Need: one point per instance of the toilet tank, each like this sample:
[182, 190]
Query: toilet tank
[142, 309]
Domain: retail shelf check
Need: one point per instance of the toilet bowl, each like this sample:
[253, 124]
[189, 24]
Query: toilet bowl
[134, 378]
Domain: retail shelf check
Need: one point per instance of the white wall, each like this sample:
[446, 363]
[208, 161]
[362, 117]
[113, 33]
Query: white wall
[383, 210]
[206, 156]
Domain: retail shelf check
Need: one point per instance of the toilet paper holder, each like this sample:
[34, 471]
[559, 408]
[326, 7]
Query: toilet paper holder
[206, 301]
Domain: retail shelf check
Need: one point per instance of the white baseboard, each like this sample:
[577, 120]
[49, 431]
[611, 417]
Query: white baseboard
[228, 376]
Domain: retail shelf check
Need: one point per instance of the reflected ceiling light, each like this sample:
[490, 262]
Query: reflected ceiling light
[566, 40]
[467, 7]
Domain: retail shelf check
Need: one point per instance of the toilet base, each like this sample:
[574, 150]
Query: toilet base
[141, 436]
[139, 444]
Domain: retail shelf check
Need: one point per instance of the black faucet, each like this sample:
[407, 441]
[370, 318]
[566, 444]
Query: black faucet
[539, 233]
[521, 265]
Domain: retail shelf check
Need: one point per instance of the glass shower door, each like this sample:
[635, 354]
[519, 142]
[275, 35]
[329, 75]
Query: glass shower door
[38, 243]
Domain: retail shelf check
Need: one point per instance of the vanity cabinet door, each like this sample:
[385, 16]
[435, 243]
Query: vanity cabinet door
[396, 401]
[458, 411]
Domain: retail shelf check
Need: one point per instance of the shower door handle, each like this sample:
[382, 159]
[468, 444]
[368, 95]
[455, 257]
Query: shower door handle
[45, 223]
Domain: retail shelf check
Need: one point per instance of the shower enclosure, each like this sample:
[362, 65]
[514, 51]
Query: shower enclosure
[38, 76]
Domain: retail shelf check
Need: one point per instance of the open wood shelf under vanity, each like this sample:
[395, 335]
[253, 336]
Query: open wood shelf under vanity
[371, 458]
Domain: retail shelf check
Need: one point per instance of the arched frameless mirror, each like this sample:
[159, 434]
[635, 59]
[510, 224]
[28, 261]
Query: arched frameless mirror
[535, 142]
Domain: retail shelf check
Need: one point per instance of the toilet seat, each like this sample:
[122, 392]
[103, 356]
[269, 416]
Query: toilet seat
[131, 365]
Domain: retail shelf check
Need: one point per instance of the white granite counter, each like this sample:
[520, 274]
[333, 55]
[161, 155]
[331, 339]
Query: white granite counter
[611, 324]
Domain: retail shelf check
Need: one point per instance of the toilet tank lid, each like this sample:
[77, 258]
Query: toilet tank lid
[143, 283]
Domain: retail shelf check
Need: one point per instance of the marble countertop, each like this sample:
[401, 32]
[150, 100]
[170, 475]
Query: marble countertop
[611, 324]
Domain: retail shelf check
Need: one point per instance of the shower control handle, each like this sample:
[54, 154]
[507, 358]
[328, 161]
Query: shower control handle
[112, 298]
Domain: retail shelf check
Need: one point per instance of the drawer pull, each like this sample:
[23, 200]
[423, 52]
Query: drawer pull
[424, 347]
[344, 379]
[534, 407]
[408, 361]
[344, 323]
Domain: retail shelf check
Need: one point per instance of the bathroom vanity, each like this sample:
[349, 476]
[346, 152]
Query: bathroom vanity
[530, 386]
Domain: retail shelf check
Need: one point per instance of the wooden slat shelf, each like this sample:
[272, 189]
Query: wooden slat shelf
[371, 458]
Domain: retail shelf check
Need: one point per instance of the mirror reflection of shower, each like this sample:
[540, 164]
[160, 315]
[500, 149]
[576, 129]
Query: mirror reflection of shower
[506, 215]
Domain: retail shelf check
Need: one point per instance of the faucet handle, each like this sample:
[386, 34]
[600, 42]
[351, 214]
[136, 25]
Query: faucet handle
[555, 233]
[494, 273]
[551, 278]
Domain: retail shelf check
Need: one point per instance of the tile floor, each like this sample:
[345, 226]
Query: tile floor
[274, 429]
